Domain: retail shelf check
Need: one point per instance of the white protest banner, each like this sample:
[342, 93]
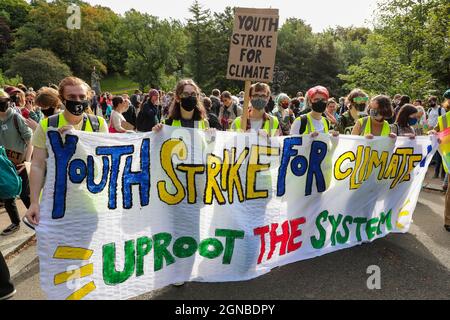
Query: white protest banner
[124, 214]
[253, 45]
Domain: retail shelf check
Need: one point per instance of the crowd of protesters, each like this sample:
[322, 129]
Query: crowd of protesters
[26, 115]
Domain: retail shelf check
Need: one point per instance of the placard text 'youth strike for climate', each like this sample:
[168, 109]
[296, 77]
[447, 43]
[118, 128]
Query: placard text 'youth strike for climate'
[253, 45]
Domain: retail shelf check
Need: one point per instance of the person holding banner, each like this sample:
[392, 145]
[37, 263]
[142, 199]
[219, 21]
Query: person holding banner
[187, 111]
[187, 108]
[375, 124]
[258, 118]
[74, 93]
[313, 122]
[357, 103]
[407, 118]
[442, 127]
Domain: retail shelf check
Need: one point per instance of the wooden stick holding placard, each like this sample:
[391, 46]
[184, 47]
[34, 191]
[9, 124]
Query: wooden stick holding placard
[248, 84]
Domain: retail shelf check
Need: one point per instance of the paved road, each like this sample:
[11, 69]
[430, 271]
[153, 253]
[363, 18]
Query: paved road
[413, 266]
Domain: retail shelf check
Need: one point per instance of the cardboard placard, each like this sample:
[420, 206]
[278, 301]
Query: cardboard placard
[253, 45]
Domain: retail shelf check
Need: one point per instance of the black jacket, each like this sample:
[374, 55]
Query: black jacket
[147, 117]
[215, 105]
[214, 121]
[130, 115]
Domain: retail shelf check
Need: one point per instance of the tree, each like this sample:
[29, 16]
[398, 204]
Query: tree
[6, 39]
[382, 71]
[153, 47]
[199, 28]
[38, 68]
[326, 64]
[295, 51]
[15, 12]
[80, 49]
[408, 51]
[217, 57]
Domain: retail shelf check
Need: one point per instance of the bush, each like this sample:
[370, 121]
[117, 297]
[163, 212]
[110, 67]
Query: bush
[38, 68]
[4, 81]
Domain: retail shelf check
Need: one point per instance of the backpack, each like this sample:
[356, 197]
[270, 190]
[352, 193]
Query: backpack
[10, 182]
[235, 110]
[439, 111]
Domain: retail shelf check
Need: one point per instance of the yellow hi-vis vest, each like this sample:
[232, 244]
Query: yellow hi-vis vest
[177, 123]
[310, 126]
[91, 123]
[270, 126]
[366, 127]
[444, 121]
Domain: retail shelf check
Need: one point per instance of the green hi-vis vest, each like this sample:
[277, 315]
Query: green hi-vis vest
[177, 123]
[444, 121]
[91, 123]
[270, 126]
[366, 127]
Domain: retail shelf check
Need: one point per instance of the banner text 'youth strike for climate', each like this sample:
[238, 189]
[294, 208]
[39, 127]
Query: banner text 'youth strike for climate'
[220, 174]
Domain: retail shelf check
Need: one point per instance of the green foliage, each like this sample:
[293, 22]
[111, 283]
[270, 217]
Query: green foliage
[80, 49]
[154, 47]
[38, 68]
[309, 59]
[408, 52]
[15, 12]
[199, 29]
[14, 81]
[207, 54]
[6, 38]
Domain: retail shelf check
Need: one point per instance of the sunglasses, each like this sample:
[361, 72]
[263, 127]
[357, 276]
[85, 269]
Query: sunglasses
[188, 94]
[360, 100]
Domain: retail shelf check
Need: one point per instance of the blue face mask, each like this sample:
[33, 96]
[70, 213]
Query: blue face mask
[412, 121]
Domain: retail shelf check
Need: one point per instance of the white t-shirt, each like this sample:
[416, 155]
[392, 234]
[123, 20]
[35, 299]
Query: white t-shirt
[116, 120]
[256, 124]
[434, 115]
[318, 126]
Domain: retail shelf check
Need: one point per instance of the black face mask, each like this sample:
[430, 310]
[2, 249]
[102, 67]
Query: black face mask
[189, 103]
[48, 112]
[361, 107]
[4, 105]
[76, 107]
[319, 106]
